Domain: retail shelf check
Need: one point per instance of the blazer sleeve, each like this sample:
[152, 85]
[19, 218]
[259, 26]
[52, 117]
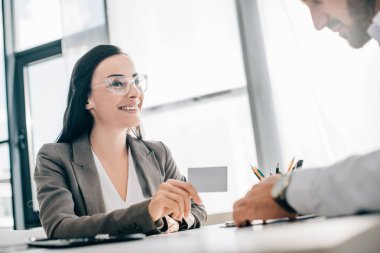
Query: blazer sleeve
[58, 211]
[197, 211]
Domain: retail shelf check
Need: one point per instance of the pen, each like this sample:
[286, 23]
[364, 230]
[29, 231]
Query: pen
[299, 164]
[291, 165]
[278, 168]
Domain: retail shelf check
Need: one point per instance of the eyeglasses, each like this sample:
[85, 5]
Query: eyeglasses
[121, 85]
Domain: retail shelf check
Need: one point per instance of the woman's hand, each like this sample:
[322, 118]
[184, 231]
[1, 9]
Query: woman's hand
[173, 197]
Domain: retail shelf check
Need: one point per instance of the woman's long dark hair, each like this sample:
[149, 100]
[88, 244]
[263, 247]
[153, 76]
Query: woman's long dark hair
[77, 120]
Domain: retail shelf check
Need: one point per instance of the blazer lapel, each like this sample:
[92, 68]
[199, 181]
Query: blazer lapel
[87, 175]
[147, 167]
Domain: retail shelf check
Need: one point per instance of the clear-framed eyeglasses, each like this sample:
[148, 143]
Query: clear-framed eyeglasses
[121, 85]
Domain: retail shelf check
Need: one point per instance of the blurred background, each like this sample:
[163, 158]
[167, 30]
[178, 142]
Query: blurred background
[231, 83]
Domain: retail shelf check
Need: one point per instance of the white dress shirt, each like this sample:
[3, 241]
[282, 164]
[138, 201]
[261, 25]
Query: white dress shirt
[112, 199]
[374, 28]
[347, 187]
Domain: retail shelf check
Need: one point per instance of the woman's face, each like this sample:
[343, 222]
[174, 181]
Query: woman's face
[113, 109]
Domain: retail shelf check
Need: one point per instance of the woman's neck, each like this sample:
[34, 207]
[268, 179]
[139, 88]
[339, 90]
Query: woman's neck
[108, 143]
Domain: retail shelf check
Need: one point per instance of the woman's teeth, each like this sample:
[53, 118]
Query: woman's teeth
[129, 108]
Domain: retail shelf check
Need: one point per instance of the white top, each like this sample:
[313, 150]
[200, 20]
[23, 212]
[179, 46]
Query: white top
[112, 199]
[374, 29]
[347, 187]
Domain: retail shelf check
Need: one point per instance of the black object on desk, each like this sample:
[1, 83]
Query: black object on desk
[81, 241]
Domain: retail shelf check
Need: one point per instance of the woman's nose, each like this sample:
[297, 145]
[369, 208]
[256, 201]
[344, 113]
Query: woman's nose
[133, 91]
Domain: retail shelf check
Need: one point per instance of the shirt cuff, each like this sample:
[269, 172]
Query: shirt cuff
[161, 224]
[187, 222]
[299, 193]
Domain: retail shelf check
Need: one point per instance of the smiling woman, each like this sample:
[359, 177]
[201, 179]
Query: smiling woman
[101, 176]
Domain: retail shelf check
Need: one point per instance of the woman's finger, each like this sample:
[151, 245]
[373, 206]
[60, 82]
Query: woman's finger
[184, 194]
[188, 188]
[179, 201]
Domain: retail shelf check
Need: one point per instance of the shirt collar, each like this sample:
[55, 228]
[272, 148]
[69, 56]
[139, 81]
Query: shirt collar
[374, 28]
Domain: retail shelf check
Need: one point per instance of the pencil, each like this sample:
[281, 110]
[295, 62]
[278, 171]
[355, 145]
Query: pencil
[257, 174]
[254, 172]
[260, 172]
[291, 165]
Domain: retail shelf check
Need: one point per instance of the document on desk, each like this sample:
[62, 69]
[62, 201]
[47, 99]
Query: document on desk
[301, 218]
[208, 179]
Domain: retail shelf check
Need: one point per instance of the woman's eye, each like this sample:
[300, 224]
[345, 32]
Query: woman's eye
[117, 84]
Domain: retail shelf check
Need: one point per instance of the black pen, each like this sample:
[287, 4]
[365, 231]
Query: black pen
[278, 168]
[299, 164]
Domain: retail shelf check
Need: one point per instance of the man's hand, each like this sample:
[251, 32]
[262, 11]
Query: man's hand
[259, 204]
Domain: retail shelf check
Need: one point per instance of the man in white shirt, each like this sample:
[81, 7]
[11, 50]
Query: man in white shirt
[348, 187]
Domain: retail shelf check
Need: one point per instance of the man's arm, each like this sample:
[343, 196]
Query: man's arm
[347, 187]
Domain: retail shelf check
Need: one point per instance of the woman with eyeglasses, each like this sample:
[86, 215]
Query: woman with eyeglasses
[101, 177]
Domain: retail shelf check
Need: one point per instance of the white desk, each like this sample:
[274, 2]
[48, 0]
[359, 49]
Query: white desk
[339, 235]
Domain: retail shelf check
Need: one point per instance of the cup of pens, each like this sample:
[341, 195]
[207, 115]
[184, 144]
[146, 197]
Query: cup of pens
[293, 166]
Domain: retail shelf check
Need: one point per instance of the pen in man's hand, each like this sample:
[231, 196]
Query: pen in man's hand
[299, 164]
[278, 168]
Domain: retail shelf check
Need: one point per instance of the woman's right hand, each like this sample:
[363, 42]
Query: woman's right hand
[173, 197]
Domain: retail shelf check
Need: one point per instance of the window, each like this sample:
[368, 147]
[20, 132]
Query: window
[37, 75]
[6, 217]
[36, 22]
[3, 107]
[326, 94]
[47, 89]
[197, 100]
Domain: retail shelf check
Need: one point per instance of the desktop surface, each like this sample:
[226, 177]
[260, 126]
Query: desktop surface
[339, 235]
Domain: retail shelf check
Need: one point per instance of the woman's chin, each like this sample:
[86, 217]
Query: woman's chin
[132, 124]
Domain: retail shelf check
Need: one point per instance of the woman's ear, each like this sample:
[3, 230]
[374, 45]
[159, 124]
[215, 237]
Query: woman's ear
[89, 104]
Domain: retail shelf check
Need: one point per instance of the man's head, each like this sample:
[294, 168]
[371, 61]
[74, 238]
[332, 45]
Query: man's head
[351, 18]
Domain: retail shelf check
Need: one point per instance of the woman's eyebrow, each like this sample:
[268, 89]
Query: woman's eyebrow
[112, 75]
[115, 75]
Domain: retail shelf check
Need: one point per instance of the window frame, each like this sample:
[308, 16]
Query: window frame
[23, 213]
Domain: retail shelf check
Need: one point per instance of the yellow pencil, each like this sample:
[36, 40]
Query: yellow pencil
[256, 171]
[291, 165]
[257, 174]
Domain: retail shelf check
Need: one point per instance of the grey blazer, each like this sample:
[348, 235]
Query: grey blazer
[70, 196]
